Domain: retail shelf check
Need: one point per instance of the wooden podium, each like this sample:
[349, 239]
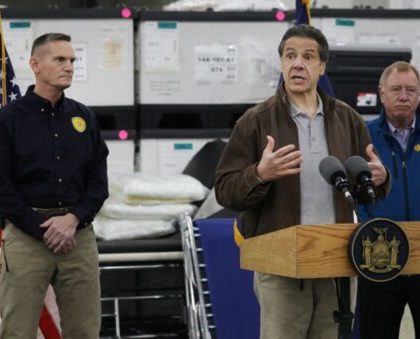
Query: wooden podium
[314, 251]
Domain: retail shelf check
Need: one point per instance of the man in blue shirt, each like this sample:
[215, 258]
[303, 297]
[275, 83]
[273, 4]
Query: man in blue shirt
[396, 137]
[53, 181]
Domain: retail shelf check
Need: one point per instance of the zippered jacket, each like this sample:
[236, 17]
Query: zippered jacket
[275, 205]
[403, 201]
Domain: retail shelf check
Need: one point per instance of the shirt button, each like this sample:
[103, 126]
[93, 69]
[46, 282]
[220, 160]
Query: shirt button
[55, 135]
[60, 180]
[52, 114]
[58, 157]
[42, 110]
[60, 203]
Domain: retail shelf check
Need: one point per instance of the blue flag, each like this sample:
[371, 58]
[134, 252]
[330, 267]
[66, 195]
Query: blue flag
[303, 16]
[9, 89]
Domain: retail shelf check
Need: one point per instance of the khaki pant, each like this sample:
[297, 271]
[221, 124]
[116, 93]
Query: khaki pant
[28, 267]
[292, 311]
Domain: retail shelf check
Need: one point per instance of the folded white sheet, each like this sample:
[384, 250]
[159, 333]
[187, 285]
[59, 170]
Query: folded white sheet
[112, 229]
[150, 189]
[116, 209]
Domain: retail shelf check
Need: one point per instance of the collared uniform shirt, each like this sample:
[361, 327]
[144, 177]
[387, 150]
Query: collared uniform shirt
[50, 157]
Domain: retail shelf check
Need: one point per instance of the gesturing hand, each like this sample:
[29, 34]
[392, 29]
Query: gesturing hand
[276, 164]
[378, 170]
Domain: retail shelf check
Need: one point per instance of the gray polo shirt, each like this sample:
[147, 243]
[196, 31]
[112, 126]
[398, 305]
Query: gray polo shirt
[317, 203]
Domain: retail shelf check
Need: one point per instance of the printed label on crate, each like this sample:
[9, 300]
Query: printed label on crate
[216, 63]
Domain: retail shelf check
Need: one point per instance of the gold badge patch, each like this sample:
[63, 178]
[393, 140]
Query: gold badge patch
[417, 147]
[79, 124]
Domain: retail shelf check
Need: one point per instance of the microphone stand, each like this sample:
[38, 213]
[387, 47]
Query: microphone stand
[344, 316]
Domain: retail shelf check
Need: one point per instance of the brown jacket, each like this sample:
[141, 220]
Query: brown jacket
[276, 205]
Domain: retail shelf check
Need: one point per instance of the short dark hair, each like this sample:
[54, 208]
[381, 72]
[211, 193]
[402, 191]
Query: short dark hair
[45, 38]
[306, 31]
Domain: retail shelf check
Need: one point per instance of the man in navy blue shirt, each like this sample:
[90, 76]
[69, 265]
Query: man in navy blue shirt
[53, 180]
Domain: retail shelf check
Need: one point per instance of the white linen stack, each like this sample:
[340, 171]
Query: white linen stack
[146, 205]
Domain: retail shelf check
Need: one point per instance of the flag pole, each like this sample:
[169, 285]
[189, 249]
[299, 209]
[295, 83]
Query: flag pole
[3, 88]
[3, 65]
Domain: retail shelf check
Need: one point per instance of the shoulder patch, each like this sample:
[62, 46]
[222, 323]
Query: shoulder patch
[79, 124]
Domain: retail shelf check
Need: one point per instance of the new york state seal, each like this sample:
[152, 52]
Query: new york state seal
[379, 249]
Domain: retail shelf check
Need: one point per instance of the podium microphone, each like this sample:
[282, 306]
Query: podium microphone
[360, 173]
[334, 173]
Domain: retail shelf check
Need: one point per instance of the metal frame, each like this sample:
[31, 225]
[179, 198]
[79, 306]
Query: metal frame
[197, 308]
[115, 300]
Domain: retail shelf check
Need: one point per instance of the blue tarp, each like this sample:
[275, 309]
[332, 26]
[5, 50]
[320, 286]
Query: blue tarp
[235, 308]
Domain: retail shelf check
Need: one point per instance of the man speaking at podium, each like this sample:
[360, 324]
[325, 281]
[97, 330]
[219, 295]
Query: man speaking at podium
[396, 136]
[269, 172]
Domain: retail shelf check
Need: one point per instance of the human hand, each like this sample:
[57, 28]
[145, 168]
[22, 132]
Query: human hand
[59, 237]
[277, 164]
[379, 173]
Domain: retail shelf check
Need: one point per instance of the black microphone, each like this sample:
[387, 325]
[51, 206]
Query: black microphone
[334, 173]
[360, 173]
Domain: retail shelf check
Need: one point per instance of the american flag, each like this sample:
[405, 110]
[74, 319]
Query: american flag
[9, 91]
[9, 88]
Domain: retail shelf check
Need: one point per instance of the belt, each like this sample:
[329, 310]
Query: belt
[52, 212]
